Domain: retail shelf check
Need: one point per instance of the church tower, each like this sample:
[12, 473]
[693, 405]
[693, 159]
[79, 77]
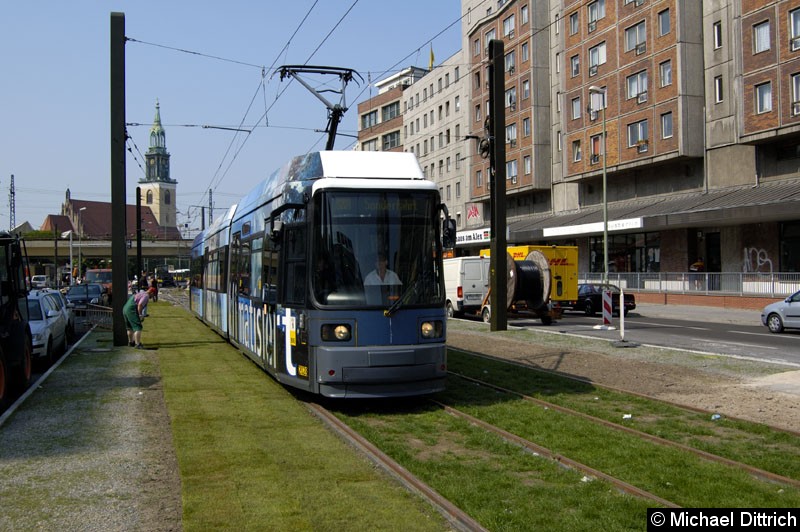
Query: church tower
[157, 188]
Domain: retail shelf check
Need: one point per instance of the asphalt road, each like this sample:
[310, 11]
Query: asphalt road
[701, 329]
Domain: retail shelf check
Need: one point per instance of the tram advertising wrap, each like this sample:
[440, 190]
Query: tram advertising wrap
[328, 275]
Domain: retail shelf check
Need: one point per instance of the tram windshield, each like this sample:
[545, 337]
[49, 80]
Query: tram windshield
[376, 249]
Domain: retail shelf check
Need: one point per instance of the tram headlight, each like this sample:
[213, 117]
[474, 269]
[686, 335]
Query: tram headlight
[431, 329]
[336, 332]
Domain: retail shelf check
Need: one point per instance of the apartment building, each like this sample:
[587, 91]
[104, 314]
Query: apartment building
[380, 118]
[681, 117]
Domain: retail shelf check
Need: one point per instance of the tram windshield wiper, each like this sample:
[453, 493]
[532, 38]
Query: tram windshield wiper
[403, 299]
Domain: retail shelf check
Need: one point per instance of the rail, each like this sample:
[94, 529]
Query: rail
[753, 284]
[99, 316]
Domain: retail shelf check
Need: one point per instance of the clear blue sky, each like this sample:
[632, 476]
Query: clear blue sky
[54, 110]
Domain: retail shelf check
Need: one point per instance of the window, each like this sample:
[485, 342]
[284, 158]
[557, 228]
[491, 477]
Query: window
[511, 98]
[717, 30]
[511, 170]
[764, 97]
[441, 140]
[458, 165]
[476, 81]
[526, 164]
[523, 14]
[510, 61]
[597, 10]
[448, 192]
[795, 95]
[476, 47]
[369, 119]
[576, 151]
[526, 126]
[390, 111]
[508, 27]
[456, 75]
[637, 133]
[575, 63]
[794, 30]
[526, 89]
[663, 22]
[370, 145]
[573, 23]
[149, 199]
[665, 69]
[511, 133]
[524, 51]
[718, 96]
[391, 140]
[478, 179]
[576, 108]
[597, 100]
[597, 56]
[596, 142]
[558, 63]
[478, 113]
[666, 125]
[490, 36]
[458, 189]
[761, 37]
[637, 84]
[635, 38]
[457, 103]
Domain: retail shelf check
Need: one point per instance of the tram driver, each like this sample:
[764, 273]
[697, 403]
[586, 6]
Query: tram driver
[381, 285]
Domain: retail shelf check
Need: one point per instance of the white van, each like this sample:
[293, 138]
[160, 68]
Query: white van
[466, 282]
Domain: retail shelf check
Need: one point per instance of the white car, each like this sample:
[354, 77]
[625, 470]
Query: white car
[782, 314]
[48, 325]
[39, 281]
[67, 309]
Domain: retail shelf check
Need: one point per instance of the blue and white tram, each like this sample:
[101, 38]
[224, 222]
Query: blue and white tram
[209, 296]
[309, 297]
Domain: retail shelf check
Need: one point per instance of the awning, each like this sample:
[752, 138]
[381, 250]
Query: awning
[768, 202]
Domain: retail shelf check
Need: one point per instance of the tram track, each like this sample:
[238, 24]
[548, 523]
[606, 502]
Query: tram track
[454, 515]
[572, 378]
[756, 472]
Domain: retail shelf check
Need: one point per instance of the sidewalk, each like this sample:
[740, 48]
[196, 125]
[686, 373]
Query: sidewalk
[698, 313]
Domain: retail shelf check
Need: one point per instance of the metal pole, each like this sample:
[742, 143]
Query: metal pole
[80, 241]
[499, 259]
[605, 200]
[603, 92]
[119, 252]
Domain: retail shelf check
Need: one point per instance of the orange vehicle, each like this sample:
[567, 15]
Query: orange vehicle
[101, 276]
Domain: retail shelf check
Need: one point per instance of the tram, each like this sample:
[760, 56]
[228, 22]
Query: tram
[329, 276]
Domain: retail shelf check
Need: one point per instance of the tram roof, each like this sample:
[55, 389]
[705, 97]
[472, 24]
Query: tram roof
[288, 183]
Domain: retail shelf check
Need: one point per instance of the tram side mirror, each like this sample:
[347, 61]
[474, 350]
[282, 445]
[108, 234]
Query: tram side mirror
[448, 233]
[275, 227]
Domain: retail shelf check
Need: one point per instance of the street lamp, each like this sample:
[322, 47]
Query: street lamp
[594, 89]
[71, 263]
[80, 240]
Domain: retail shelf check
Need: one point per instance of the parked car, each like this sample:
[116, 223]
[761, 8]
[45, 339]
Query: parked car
[83, 295]
[590, 299]
[39, 281]
[66, 308]
[782, 314]
[48, 325]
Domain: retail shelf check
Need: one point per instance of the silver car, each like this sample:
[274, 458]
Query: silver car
[48, 325]
[783, 314]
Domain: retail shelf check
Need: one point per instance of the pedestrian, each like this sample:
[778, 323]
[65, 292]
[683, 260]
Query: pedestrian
[133, 311]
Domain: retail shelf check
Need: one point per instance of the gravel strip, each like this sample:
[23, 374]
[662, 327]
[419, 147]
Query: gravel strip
[91, 449]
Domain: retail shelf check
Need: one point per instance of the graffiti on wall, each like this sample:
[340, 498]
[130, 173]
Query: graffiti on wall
[754, 259]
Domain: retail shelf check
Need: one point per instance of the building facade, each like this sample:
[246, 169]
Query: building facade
[675, 124]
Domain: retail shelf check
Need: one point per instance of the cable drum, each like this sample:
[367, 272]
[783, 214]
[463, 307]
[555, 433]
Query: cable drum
[529, 280]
